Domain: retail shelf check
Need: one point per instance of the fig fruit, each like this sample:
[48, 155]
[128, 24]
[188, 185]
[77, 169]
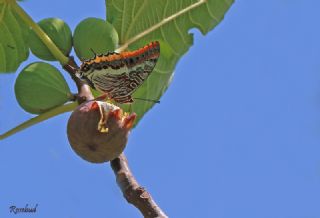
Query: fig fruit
[58, 31]
[98, 131]
[94, 35]
[40, 87]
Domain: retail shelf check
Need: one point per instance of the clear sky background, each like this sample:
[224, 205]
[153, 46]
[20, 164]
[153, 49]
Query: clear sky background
[237, 134]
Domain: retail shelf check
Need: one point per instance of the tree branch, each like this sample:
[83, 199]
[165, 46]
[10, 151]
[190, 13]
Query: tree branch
[132, 191]
[84, 92]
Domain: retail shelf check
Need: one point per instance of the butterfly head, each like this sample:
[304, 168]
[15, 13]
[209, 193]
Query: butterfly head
[81, 75]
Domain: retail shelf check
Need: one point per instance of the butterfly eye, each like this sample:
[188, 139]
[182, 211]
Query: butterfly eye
[79, 74]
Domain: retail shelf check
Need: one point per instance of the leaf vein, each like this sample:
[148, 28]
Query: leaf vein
[180, 32]
[135, 18]
[165, 39]
[193, 21]
[116, 7]
[211, 13]
[122, 20]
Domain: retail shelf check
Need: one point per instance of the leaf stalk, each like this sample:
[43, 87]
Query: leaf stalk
[42, 117]
[41, 34]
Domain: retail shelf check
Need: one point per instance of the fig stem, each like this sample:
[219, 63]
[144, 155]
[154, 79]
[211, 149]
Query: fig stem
[84, 92]
[132, 191]
[40, 118]
[40, 33]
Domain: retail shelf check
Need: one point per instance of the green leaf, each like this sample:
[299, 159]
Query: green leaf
[13, 47]
[139, 21]
[41, 87]
[93, 34]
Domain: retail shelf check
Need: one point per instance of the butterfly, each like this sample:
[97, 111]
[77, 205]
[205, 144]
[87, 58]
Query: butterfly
[119, 75]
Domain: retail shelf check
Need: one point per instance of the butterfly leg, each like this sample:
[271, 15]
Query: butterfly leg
[129, 101]
[103, 120]
[101, 97]
[130, 108]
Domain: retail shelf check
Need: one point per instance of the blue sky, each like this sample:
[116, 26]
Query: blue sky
[236, 135]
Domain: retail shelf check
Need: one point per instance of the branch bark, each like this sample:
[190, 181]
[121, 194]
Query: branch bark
[132, 191]
[84, 92]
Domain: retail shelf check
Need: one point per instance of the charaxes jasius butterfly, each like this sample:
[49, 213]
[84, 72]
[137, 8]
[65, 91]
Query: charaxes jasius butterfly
[119, 75]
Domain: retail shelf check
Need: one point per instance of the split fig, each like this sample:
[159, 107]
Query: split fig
[98, 131]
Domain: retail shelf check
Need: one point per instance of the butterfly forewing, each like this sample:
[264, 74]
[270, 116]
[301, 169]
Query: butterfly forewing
[119, 75]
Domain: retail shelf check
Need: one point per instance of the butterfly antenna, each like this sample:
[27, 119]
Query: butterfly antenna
[95, 54]
[151, 100]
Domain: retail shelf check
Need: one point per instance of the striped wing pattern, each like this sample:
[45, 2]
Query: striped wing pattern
[119, 75]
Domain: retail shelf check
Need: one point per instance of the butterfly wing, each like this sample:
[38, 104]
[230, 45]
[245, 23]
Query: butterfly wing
[119, 75]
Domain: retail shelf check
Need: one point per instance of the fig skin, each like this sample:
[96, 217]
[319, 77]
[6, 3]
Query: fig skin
[98, 131]
[94, 34]
[40, 87]
[58, 31]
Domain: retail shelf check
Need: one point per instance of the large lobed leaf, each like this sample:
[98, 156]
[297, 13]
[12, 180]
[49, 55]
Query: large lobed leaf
[132, 17]
[13, 35]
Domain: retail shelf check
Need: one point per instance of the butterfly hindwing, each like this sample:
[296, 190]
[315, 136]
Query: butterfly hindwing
[120, 75]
